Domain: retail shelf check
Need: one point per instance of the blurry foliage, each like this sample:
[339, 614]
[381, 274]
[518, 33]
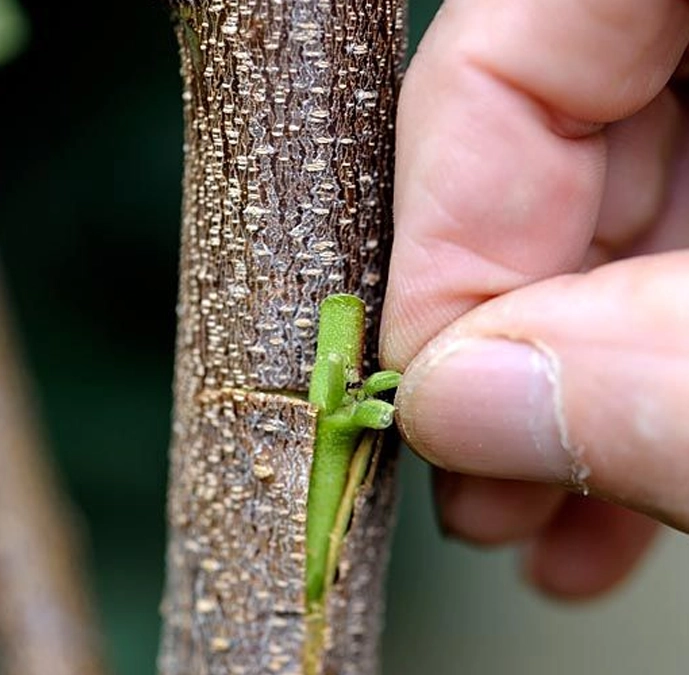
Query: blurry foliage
[14, 30]
[90, 174]
[90, 170]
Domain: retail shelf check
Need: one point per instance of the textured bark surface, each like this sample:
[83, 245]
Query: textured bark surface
[288, 178]
[236, 563]
[289, 110]
[46, 625]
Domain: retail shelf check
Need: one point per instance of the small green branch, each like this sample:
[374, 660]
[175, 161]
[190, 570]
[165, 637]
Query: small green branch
[380, 382]
[346, 410]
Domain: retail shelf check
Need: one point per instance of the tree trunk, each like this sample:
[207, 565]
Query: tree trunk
[289, 112]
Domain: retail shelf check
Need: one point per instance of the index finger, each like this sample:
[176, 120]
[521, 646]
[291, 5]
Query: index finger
[500, 163]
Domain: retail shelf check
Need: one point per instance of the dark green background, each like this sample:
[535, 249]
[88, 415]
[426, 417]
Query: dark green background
[90, 171]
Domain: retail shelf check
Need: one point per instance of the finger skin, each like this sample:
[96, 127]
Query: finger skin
[597, 60]
[506, 175]
[501, 163]
[590, 386]
[643, 150]
[493, 512]
[578, 548]
[487, 199]
[588, 549]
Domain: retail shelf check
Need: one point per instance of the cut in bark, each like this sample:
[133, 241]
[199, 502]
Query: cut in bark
[46, 623]
[289, 112]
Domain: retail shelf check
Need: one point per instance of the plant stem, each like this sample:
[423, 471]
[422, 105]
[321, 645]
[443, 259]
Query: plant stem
[344, 413]
[338, 360]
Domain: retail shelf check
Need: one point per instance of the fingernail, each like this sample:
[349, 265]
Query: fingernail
[485, 406]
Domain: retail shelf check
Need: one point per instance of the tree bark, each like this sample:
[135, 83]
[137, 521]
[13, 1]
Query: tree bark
[289, 109]
[46, 622]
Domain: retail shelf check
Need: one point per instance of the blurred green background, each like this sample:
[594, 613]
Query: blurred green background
[90, 171]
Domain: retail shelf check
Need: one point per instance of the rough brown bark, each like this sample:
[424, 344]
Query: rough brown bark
[289, 111]
[46, 625]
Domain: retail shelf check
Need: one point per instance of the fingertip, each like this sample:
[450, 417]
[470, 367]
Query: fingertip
[589, 386]
[489, 512]
[588, 550]
[484, 407]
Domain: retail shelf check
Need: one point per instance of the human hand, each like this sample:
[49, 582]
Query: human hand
[538, 297]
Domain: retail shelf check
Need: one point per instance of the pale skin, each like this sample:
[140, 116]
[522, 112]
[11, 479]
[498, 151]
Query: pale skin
[538, 300]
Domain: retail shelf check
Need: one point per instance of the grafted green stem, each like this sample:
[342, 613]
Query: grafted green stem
[346, 410]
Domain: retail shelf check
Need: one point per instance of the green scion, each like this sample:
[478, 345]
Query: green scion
[345, 411]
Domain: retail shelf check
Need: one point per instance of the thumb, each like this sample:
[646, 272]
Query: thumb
[579, 380]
